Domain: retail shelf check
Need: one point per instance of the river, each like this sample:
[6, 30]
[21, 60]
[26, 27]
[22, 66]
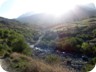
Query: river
[77, 61]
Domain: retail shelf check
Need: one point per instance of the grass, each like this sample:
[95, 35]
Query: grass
[23, 63]
[52, 59]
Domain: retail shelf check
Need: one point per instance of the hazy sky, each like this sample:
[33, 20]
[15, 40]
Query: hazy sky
[14, 8]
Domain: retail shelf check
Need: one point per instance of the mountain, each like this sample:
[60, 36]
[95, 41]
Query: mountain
[78, 13]
[39, 19]
[27, 14]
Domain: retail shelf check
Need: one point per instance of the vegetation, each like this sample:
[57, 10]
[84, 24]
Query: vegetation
[11, 41]
[89, 66]
[30, 32]
[70, 44]
[48, 39]
[23, 63]
[14, 47]
[52, 59]
[79, 40]
[82, 40]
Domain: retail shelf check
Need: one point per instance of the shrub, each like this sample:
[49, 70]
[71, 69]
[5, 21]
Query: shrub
[10, 41]
[69, 44]
[52, 59]
[85, 46]
[23, 63]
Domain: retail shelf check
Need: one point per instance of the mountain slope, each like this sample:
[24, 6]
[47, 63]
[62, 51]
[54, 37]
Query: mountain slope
[30, 32]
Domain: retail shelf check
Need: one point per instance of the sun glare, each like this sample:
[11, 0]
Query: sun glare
[57, 8]
[53, 7]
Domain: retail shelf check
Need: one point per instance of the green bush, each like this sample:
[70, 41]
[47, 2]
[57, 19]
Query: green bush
[85, 46]
[11, 41]
[70, 44]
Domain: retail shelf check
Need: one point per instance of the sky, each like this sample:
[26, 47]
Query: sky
[15, 8]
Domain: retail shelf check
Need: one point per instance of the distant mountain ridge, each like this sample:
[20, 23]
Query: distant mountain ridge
[39, 19]
[78, 13]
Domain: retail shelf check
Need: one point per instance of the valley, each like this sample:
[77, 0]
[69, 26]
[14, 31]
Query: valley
[64, 44]
[43, 43]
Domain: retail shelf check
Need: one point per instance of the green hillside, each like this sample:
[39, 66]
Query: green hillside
[30, 32]
[80, 40]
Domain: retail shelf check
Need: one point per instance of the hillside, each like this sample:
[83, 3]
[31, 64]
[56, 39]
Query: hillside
[62, 40]
[80, 39]
[17, 56]
[30, 32]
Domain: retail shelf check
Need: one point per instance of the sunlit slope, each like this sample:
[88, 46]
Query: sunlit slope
[89, 22]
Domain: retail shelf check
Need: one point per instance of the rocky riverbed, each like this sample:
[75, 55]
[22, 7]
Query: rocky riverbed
[72, 61]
